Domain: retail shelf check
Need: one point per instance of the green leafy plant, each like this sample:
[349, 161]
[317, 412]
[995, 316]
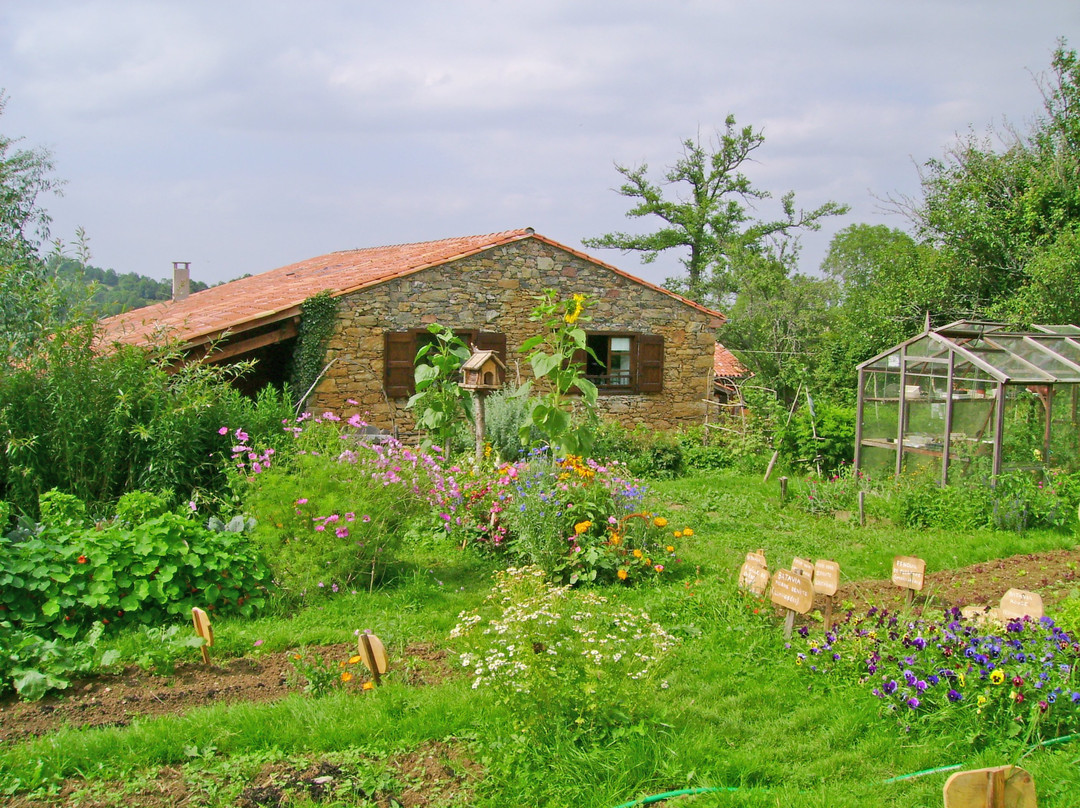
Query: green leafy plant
[156, 570]
[552, 357]
[318, 315]
[439, 401]
[33, 665]
[161, 647]
[319, 675]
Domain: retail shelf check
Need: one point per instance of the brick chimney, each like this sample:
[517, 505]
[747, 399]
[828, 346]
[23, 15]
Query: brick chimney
[181, 279]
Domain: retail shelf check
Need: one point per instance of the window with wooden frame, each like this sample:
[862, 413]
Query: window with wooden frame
[400, 347]
[625, 362]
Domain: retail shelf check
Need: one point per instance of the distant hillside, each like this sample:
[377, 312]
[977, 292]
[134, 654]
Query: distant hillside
[114, 292]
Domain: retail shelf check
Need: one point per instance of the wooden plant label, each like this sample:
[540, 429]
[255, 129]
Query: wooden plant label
[826, 577]
[908, 572]
[754, 578]
[757, 558]
[792, 591]
[996, 787]
[802, 566]
[1019, 603]
[373, 653]
[204, 630]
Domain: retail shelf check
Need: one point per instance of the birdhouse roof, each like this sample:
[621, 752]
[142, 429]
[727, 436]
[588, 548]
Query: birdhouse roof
[480, 358]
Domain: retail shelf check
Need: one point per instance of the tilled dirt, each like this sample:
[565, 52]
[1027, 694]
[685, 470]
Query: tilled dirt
[112, 700]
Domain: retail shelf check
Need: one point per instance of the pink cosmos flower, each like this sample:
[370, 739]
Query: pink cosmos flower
[223, 431]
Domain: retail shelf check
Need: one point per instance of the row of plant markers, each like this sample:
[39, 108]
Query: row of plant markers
[1006, 672]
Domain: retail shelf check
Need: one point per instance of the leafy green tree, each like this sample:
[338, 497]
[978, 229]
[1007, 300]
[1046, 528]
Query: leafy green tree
[778, 318]
[25, 176]
[708, 214]
[996, 214]
[31, 302]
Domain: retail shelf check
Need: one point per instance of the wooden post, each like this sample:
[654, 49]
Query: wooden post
[862, 508]
[204, 630]
[783, 490]
[480, 427]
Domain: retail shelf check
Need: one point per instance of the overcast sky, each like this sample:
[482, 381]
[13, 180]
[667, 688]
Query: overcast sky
[243, 135]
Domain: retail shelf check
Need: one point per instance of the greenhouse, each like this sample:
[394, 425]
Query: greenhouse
[971, 400]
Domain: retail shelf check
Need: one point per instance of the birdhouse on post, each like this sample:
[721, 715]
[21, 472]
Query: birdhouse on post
[481, 373]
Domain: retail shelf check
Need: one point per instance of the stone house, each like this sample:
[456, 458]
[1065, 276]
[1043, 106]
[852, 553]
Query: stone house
[658, 347]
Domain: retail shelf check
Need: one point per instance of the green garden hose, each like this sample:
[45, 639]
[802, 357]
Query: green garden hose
[713, 789]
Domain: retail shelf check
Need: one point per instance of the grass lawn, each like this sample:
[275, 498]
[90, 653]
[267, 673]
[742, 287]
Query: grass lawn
[736, 714]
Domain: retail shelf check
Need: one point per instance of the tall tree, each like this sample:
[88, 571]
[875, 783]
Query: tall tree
[996, 205]
[707, 214]
[25, 176]
[778, 318]
[30, 299]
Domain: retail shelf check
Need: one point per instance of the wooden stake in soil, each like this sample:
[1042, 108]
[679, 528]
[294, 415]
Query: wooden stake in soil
[204, 630]
[862, 509]
[373, 653]
[783, 490]
[794, 593]
[908, 573]
[996, 787]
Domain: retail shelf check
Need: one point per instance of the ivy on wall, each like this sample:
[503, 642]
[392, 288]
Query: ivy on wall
[317, 316]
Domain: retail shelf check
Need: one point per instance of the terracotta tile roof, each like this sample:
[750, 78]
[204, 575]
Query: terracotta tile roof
[725, 364]
[277, 294]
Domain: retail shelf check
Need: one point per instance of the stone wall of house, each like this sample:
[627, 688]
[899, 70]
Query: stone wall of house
[496, 291]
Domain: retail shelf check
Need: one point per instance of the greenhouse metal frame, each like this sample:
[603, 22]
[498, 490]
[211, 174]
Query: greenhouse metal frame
[971, 399]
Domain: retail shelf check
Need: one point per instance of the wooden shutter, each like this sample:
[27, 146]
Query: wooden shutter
[493, 341]
[650, 363]
[398, 355]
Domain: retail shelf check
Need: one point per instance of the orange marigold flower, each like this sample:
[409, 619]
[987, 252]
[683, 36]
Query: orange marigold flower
[678, 534]
[638, 554]
[615, 538]
[687, 531]
[369, 685]
[354, 659]
[660, 521]
[622, 574]
[347, 676]
[670, 548]
[581, 527]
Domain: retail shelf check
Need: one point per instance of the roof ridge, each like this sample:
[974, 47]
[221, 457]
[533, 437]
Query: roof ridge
[496, 236]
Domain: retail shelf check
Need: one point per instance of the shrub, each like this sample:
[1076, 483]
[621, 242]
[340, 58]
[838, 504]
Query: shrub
[576, 519]
[506, 412]
[824, 439]
[64, 579]
[561, 660]
[335, 508]
[645, 452]
[96, 425]
[32, 665]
